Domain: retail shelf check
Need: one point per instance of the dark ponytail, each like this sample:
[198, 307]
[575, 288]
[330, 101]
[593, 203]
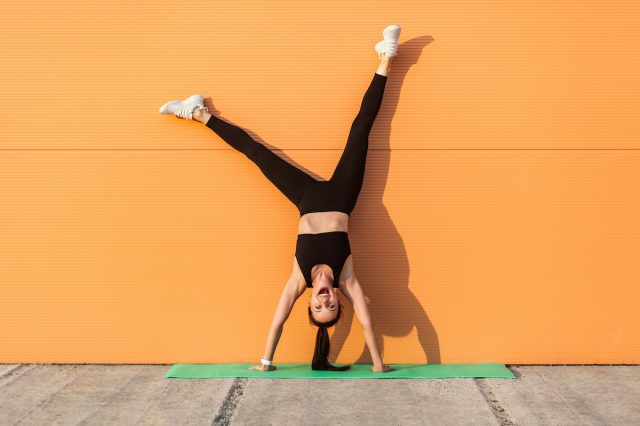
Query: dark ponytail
[320, 359]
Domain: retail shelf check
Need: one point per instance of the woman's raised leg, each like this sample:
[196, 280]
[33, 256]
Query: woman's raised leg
[349, 172]
[289, 179]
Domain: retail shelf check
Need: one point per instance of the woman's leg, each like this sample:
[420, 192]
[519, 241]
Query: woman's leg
[349, 172]
[290, 180]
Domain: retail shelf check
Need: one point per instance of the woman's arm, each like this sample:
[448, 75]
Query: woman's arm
[353, 291]
[290, 294]
[285, 305]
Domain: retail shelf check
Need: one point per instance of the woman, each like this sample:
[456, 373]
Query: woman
[322, 260]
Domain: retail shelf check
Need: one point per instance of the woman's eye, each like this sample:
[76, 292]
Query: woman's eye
[332, 306]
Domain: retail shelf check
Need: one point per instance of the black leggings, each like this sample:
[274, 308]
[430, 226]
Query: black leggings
[296, 184]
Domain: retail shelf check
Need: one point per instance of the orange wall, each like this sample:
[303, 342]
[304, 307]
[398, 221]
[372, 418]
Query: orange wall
[498, 220]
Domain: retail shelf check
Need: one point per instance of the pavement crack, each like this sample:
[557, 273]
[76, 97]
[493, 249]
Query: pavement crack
[230, 403]
[502, 415]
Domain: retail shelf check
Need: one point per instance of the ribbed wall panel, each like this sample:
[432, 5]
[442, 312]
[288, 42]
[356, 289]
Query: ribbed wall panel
[466, 256]
[498, 220]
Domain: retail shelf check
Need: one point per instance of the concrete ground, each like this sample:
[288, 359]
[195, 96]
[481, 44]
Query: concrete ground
[94, 394]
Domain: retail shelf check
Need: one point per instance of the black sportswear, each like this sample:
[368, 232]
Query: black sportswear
[309, 195]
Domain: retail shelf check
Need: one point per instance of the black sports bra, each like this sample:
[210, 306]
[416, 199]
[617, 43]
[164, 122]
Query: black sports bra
[331, 247]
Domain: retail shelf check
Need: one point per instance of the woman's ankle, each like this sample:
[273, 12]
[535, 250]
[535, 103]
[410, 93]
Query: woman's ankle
[200, 114]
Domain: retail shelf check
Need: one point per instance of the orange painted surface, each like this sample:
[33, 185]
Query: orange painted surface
[498, 221]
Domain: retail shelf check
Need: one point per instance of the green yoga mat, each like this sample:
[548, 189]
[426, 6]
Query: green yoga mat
[357, 371]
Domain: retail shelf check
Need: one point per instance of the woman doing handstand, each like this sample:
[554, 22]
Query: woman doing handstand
[322, 260]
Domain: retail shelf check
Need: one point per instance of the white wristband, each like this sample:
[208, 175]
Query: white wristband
[265, 362]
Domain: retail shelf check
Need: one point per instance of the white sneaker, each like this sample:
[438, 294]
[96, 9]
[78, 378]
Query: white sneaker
[389, 46]
[184, 109]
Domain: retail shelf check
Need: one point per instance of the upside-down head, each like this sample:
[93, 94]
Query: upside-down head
[325, 310]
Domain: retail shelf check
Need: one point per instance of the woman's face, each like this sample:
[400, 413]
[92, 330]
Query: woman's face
[324, 300]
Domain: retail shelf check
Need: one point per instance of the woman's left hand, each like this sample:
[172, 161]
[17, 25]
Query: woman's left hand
[262, 367]
[382, 368]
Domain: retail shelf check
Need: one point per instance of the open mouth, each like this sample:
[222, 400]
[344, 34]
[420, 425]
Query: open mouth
[324, 290]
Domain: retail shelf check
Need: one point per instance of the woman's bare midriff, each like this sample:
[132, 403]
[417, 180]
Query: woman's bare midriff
[317, 222]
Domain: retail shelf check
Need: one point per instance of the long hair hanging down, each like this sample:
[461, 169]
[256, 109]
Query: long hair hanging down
[320, 359]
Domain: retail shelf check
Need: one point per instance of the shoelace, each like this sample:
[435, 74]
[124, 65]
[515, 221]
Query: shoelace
[186, 112]
[390, 46]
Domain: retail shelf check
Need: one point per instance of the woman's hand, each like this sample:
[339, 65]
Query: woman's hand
[263, 367]
[382, 368]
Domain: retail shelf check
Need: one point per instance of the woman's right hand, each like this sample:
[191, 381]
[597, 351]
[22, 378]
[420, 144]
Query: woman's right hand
[381, 369]
[263, 367]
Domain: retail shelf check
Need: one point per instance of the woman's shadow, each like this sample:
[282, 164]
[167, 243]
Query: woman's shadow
[395, 310]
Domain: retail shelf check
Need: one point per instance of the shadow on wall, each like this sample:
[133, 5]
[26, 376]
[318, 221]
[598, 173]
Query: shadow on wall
[394, 308]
